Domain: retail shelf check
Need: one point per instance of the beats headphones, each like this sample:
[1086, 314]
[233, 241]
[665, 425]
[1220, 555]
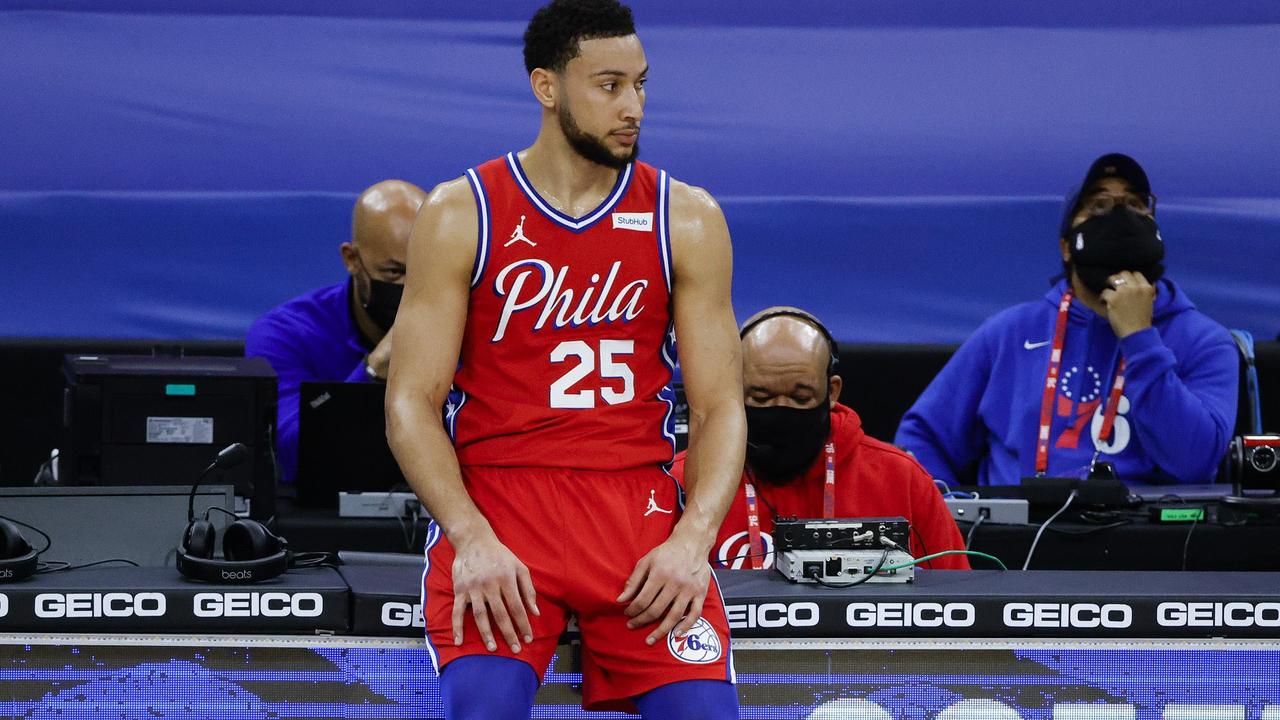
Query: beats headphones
[250, 552]
[17, 557]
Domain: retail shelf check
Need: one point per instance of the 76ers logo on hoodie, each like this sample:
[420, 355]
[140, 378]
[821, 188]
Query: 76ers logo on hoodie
[1085, 405]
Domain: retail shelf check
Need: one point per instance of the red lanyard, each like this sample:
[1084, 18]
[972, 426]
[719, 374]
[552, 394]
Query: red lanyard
[1051, 390]
[754, 541]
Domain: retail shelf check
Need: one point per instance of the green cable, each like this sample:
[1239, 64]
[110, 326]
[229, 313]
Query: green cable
[926, 558]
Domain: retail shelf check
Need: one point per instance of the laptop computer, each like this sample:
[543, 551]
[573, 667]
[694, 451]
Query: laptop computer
[342, 443]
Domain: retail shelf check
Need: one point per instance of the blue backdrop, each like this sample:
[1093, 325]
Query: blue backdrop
[896, 169]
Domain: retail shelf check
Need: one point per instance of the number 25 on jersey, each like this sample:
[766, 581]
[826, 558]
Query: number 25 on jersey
[608, 368]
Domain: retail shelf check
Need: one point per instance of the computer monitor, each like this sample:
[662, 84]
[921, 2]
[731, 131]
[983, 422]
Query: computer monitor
[342, 443]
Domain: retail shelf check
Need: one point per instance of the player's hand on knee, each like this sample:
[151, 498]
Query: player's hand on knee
[670, 583]
[490, 579]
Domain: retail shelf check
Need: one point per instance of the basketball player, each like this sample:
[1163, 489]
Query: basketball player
[559, 279]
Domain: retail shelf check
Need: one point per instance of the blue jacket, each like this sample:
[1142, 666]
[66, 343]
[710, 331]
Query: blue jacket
[1176, 415]
[311, 338]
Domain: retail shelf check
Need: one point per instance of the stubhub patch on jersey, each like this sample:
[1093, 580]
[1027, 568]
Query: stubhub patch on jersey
[642, 222]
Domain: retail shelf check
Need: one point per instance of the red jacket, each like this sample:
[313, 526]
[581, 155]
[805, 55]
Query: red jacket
[873, 479]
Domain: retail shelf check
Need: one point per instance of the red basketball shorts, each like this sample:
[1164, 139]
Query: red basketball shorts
[581, 534]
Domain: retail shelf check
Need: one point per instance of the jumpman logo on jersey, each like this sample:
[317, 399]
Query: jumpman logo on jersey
[517, 235]
[653, 506]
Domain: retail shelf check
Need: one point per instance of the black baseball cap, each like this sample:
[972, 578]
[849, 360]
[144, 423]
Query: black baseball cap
[1116, 165]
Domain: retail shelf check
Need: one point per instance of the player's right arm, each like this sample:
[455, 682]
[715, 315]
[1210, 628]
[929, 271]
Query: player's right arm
[429, 325]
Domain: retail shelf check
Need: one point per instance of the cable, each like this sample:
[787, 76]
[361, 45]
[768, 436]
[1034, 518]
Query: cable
[408, 531]
[91, 564]
[224, 511]
[1027, 564]
[313, 559]
[879, 566]
[948, 493]
[40, 472]
[974, 553]
[1092, 530]
[924, 549]
[968, 538]
[1186, 544]
[48, 541]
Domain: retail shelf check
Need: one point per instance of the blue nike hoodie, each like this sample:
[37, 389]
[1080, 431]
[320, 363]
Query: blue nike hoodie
[1176, 415]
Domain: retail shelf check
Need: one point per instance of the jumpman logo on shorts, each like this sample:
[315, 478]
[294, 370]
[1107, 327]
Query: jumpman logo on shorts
[517, 235]
[653, 506]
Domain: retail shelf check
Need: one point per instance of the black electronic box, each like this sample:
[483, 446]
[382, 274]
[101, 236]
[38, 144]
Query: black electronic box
[791, 533]
[160, 420]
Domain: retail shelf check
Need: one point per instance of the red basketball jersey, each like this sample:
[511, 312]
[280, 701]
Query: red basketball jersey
[569, 348]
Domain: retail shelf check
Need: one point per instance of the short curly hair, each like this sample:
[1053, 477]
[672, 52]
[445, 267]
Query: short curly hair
[552, 38]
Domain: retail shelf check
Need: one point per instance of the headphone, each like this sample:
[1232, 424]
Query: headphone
[250, 552]
[833, 357]
[17, 557]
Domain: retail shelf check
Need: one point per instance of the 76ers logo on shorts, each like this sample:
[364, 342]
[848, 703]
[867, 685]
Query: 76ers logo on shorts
[699, 647]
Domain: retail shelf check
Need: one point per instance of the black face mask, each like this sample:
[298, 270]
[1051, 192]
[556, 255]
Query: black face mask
[1122, 239]
[382, 302]
[783, 441]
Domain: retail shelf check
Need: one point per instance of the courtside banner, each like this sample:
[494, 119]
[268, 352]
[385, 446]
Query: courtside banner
[115, 600]
[939, 604]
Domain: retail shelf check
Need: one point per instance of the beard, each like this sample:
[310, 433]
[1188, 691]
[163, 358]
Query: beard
[590, 147]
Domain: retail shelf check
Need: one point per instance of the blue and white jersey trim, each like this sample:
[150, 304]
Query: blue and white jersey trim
[572, 223]
[664, 226]
[457, 398]
[433, 536]
[667, 393]
[731, 673]
[482, 217]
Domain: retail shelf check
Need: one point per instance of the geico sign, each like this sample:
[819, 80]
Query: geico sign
[772, 615]
[257, 604]
[924, 614]
[398, 614]
[94, 605]
[1216, 614]
[1066, 615]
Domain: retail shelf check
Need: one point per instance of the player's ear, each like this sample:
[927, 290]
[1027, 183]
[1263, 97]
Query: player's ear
[834, 384]
[544, 85]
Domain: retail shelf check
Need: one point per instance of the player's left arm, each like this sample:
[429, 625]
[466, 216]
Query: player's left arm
[670, 583]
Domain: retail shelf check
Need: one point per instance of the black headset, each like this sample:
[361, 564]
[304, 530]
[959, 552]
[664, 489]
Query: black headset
[17, 557]
[833, 358]
[250, 552]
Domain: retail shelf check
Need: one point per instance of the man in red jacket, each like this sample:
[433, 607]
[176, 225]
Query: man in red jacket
[807, 455]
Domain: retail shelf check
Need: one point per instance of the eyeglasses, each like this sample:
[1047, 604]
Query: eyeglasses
[1103, 203]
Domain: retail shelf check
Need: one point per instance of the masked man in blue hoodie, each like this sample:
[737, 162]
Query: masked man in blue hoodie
[341, 332]
[1114, 364]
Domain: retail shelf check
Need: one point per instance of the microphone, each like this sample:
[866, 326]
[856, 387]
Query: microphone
[228, 457]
